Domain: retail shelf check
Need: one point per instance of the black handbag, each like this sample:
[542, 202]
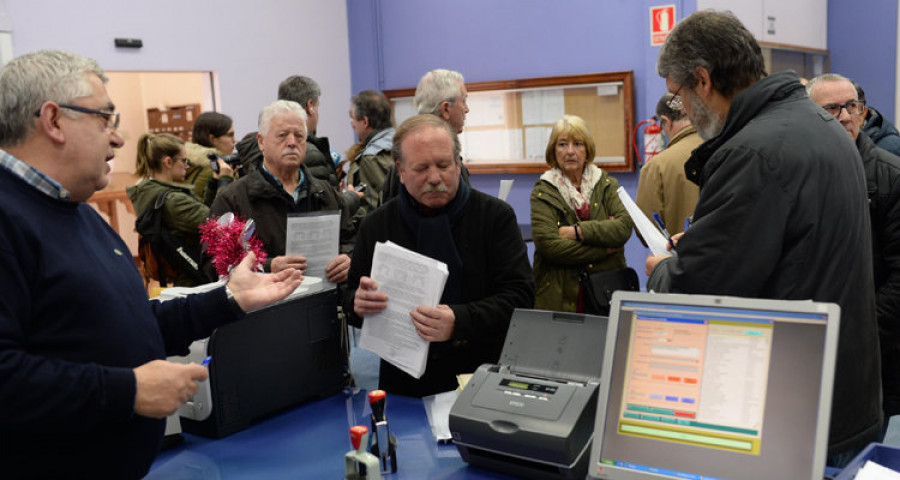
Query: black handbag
[598, 288]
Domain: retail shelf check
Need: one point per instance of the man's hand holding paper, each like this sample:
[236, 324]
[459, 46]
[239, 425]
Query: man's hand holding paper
[653, 260]
[283, 262]
[434, 324]
[414, 284]
[338, 269]
[368, 300]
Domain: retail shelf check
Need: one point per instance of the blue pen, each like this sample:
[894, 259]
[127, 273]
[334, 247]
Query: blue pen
[205, 361]
[662, 227]
[687, 223]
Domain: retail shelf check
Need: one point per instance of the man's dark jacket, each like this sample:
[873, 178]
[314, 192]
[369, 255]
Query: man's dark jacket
[883, 187]
[257, 197]
[882, 131]
[496, 279]
[782, 214]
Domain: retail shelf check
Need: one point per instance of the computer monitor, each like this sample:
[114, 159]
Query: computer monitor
[705, 387]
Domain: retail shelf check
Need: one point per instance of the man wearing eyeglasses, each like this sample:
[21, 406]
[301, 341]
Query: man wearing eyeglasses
[837, 95]
[782, 212]
[84, 387]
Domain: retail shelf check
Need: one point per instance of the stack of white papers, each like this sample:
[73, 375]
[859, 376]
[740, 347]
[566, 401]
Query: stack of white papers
[409, 279]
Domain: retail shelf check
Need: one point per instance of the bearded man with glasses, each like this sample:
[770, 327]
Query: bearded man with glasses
[782, 212]
[837, 96]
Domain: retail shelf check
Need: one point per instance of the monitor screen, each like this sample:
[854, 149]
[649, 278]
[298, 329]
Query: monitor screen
[706, 387]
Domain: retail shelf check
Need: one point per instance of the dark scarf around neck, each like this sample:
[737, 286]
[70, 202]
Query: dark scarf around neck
[434, 236]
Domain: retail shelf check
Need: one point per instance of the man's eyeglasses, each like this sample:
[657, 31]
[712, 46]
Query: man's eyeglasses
[112, 118]
[675, 102]
[854, 107]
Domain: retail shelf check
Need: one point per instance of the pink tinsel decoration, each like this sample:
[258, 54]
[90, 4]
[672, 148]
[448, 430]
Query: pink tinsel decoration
[224, 243]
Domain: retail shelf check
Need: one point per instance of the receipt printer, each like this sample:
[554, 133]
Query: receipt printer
[532, 415]
[274, 358]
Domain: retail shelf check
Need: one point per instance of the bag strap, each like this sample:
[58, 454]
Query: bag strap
[157, 229]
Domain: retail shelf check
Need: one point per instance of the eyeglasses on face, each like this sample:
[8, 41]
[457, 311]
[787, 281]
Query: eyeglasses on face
[187, 161]
[112, 118]
[854, 107]
[675, 102]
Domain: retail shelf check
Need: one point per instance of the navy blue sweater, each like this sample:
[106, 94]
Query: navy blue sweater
[74, 321]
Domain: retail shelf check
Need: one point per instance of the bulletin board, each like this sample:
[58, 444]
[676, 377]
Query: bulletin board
[509, 121]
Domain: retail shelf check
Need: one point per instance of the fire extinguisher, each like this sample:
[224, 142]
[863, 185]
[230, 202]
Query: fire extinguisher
[653, 139]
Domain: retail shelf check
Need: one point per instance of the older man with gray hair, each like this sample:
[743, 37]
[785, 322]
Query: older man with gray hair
[283, 185]
[441, 93]
[84, 384]
[838, 96]
[782, 211]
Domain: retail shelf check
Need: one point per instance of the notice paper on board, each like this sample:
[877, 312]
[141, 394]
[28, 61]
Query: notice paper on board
[409, 279]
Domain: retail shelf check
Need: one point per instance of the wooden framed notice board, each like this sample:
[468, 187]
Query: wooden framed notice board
[509, 121]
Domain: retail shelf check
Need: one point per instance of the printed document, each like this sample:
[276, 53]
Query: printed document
[315, 236]
[654, 238]
[409, 279]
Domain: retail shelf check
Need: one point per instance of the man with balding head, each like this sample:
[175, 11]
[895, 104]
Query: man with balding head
[476, 235]
[837, 95]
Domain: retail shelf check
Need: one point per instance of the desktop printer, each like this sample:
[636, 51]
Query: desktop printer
[274, 358]
[532, 414]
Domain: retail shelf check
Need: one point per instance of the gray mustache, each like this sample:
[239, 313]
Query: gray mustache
[436, 188]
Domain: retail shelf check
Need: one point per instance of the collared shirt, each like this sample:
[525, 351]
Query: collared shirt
[33, 177]
[296, 194]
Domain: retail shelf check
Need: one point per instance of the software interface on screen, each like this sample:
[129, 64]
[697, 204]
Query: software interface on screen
[702, 390]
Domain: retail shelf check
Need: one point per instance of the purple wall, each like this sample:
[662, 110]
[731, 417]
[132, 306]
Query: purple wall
[862, 39]
[504, 39]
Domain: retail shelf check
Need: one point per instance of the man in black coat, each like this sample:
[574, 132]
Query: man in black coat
[476, 235]
[782, 211]
[837, 95]
[283, 185]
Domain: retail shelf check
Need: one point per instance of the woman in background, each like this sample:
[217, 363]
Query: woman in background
[162, 164]
[215, 130]
[213, 134]
[578, 223]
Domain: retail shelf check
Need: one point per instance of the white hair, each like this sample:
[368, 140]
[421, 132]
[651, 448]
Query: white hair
[436, 87]
[278, 107]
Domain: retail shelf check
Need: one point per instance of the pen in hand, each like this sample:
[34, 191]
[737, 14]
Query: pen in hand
[662, 228]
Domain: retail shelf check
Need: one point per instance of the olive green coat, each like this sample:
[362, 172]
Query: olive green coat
[183, 212]
[558, 262]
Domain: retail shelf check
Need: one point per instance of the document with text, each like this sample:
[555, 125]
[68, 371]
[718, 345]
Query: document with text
[651, 234]
[409, 279]
[315, 236]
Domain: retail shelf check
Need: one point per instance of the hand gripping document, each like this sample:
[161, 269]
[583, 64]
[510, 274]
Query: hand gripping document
[409, 279]
[656, 241]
